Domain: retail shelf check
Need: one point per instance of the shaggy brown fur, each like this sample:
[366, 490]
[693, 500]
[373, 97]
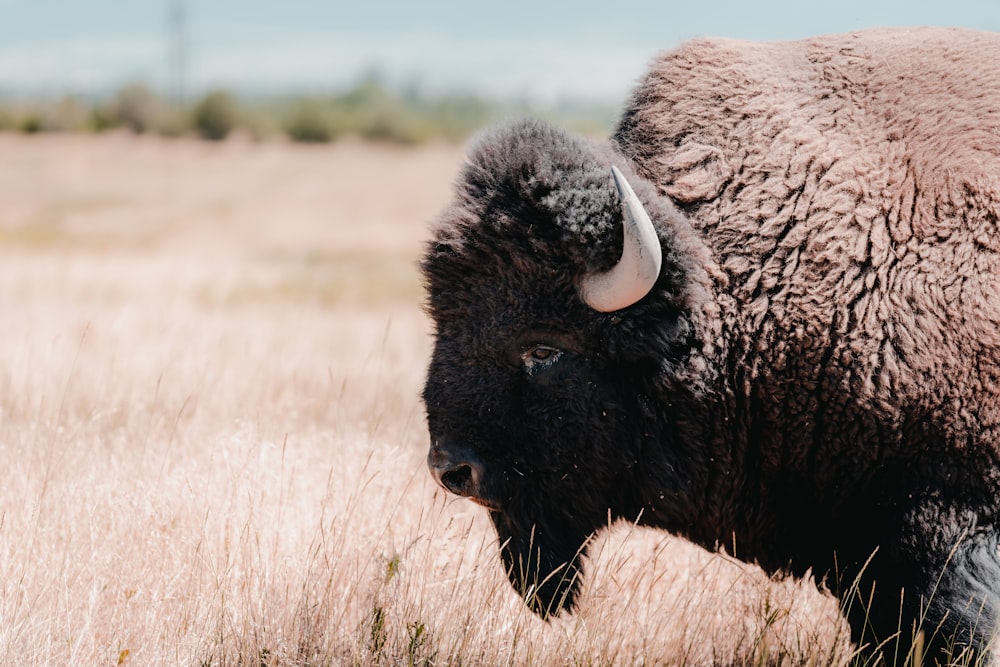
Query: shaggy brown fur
[849, 187]
[815, 380]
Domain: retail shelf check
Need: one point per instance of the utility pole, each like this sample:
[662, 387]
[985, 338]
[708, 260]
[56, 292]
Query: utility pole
[177, 56]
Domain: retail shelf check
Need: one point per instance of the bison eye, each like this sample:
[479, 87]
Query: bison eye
[539, 357]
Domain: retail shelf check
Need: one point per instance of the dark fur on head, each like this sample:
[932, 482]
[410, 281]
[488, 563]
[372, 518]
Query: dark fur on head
[536, 209]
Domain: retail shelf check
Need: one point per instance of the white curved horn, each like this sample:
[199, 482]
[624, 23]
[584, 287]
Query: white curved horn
[636, 272]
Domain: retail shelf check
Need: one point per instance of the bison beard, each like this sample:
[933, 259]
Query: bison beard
[811, 374]
[542, 562]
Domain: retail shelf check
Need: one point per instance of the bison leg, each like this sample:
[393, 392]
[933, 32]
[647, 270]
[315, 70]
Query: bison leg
[932, 591]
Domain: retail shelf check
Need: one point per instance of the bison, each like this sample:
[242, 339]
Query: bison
[764, 316]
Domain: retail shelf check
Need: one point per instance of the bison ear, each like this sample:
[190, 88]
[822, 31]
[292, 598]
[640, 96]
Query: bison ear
[636, 272]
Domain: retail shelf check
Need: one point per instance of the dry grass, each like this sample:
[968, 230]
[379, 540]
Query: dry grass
[210, 362]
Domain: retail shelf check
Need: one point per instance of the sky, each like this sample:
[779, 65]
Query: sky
[543, 51]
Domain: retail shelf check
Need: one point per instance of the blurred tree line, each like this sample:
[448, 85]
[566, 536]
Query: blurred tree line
[369, 109]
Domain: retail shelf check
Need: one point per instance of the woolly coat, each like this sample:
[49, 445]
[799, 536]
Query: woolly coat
[848, 188]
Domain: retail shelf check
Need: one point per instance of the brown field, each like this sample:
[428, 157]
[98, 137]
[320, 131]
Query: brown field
[210, 363]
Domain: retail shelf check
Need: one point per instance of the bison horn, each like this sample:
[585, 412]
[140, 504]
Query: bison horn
[636, 272]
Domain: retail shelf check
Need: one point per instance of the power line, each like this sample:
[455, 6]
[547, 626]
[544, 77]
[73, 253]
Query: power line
[178, 57]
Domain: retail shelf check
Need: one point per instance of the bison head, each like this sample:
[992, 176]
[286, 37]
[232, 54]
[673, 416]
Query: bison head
[560, 335]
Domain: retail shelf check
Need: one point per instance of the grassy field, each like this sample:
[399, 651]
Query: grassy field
[210, 364]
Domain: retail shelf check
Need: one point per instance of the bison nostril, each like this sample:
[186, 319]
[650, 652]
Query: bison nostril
[457, 479]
